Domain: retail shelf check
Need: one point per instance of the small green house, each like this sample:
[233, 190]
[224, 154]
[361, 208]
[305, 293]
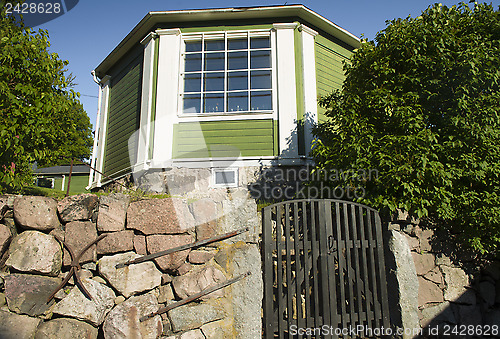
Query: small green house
[213, 87]
[57, 178]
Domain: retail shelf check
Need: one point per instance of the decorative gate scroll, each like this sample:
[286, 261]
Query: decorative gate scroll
[323, 265]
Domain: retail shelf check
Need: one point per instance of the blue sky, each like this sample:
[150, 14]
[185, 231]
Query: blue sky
[87, 34]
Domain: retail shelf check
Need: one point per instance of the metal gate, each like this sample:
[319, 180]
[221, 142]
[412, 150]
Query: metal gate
[324, 271]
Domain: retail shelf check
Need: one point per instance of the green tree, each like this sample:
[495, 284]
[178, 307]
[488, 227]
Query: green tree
[41, 118]
[422, 106]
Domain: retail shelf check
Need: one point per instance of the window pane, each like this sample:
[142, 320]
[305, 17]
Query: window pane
[260, 80]
[214, 62]
[260, 59]
[237, 101]
[237, 60]
[237, 81]
[263, 42]
[193, 46]
[193, 62]
[214, 102]
[214, 45]
[224, 177]
[214, 82]
[261, 100]
[237, 44]
[192, 82]
[192, 103]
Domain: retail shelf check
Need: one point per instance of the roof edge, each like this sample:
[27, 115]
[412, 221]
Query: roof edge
[152, 18]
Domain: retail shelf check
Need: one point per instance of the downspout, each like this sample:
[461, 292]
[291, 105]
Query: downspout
[96, 132]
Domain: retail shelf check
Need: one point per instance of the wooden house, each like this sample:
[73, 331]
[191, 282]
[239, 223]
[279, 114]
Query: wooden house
[220, 88]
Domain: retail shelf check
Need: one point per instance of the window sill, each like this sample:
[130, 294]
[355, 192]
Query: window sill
[223, 114]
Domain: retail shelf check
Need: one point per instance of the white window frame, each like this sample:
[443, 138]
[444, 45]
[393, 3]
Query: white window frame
[225, 170]
[48, 179]
[217, 36]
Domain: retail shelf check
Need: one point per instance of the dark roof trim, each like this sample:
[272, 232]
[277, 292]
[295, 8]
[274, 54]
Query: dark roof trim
[243, 13]
[62, 170]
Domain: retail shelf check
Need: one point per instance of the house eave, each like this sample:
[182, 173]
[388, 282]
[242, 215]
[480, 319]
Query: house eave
[243, 13]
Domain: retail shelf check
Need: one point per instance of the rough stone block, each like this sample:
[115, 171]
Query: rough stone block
[35, 252]
[189, 317]
[161, 242]
[123, 320]
[198, 280]
[194, 334]
[65, 328]
[423, 262]
[435, 276]
[185, 268]
[78, 306]
[165, 294]
[39, 213]
[200, 257]
[206, 231]
[27, 294]
[406, 290]
[456, 282]
[437, 315]
[425, 238]
[247, 293]
[413, 242]
[5, 237]
[131, 279]
[140, 244]
[203, 210]
[179, 183]
[78, 235]
[112, 212]
[159, 216]
[115, 242]
[77, 207]
[217, 329]
[428, 292]
[17, 326]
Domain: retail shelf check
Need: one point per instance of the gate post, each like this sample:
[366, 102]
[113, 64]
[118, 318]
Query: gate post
[402, 283]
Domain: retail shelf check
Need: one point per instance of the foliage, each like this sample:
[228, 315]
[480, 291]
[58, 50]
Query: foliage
[40, 117]
[421, 105]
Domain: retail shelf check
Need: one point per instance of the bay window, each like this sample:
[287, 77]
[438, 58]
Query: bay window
[229, 72]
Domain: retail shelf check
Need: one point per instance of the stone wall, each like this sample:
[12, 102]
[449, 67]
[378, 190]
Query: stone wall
[454, 288]
[34, 263]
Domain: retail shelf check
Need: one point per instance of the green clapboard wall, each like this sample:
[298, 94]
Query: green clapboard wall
[123, 117]
[216, 139]
[329, 67]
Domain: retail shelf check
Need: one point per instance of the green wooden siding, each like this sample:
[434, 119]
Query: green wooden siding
[123, 117]
[215, 139]
[77, 185]
[329, 67]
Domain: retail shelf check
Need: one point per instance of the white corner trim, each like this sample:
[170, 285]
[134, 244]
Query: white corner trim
[310, 92]
[308, 30]
[169, 54]
[148, 37]
[170, 31]
[287, 101]
[101, 127]
[291, 25]
[146, 104]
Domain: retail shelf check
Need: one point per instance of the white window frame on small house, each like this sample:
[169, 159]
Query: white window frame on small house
[226, 78]
[225, 184]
